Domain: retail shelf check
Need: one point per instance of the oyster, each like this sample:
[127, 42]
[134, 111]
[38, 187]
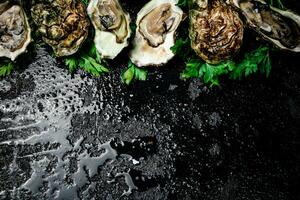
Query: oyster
[15, 33]
[280, 27]
[63, 24]
[216, 31]
[111, 25]
[156, 23]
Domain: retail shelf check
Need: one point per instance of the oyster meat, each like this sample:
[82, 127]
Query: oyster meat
[157, 23]
[278, 26]
[63, 24]
[15, 32]
[216, 31]
[111, 25]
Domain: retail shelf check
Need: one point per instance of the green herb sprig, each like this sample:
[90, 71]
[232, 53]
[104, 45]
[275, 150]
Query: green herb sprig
[90, 61]
[133, 73]
[183, 4]
[256, 60]
[197, 68]
[251, 62]
[182, 48]
[6, 67]
[85, 2]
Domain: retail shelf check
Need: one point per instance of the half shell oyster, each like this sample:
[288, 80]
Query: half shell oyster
[63, 24]
[15, 32]
[111, 25]
[216, 31]
[156, 23]
[278, 26]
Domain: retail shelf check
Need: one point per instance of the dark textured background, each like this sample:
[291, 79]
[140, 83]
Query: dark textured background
[239, 141]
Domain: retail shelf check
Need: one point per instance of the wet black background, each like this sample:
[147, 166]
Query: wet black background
[248, 146]
[237, 141]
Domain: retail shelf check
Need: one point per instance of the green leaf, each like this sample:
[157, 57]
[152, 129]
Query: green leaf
[179, 45]
[140, 74]
[85, 2]
[128, 76]
[197, 68]
[91, 66]
[6, 67]
[89, 60]
[252, 62]
[98, 66]
[183, 4]
[93, 52]
[266, 66]
[71, 63]
[182, 48]
[133, 73]
[192, 69]
[211, 73]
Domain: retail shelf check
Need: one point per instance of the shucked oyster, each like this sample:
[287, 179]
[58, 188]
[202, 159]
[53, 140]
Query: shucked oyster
[278, 26]
[156, 25]
[111, 26]
[63, 24]
[216, 30]
[14, 30]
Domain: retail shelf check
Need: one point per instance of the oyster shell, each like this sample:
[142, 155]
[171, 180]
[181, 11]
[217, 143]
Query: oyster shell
[280, 27]
[63, 24]
[216, 31]
[156, 23]
[111, 25]
[15, 32]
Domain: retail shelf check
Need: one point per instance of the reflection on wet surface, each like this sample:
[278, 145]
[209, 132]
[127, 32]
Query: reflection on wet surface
[74, 137]
[67, 160]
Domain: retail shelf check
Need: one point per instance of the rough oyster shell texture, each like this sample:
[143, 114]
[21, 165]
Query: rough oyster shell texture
[15, 32]
[111, 25]
[278, 26]
[216, 31]
[157, 23]
[63, 24]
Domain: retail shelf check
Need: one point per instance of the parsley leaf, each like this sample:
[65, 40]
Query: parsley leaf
[71, 63]
[197, 68]
[6, 67]
[183, 4]
[134, 73]
[192, 69]
[266, 66]
[211, 73]
[89, 61]
[257, 60]
[85, 2]
[252, 62]
[182, 48]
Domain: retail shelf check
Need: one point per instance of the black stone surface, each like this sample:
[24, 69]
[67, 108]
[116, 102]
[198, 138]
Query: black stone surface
[239, 141]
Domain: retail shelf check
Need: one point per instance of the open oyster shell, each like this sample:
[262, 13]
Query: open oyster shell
[15, 32]
[63, 24]
[216, 31]
[156, 23]
[111, 25]
[280, 27]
